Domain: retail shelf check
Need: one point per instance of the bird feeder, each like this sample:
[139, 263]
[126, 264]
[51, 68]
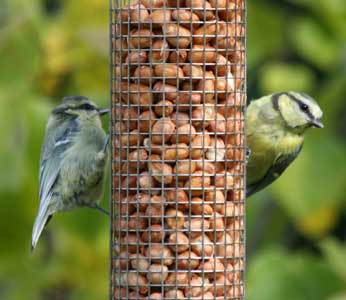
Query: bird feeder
[178, 88]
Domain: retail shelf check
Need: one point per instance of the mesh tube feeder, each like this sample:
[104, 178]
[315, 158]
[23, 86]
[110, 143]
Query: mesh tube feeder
[178, 149]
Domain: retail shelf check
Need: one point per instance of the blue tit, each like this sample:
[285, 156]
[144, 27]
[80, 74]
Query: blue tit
[275, 134]
[73, 160]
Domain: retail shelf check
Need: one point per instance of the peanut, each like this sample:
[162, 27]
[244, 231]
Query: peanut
[185, 17]
[202, 246]
[139, 262]
[201, 8]
[154, 234]
[197, 226]
[206, 87]
[178, 242]
[146, 181]
[200, 208]
[199, 145]
[178, 57]
[202, 54]
[164, 108]
[186, 99]
[178, 279]
[146, 120]
[159, 17]
[140, 95]
[216, 150]
[176, 152]
[140, 38]
[183, 134]
[174, 294]
[157, 273]
[177, 36]
[188, 260]
[205, 33]
[166, 91]
[162, 130]
[135, 282]
[136, 57]
[144, 75]
[158, 253]
[162, 172]
[197, 182]
[195, 72]
[175, 219]
[170, 72]
[212, 268]
[152, 3]
[177, 196]
[197, 286]
[180, 118]
[159, 52]
[183, 169]
[138, 13]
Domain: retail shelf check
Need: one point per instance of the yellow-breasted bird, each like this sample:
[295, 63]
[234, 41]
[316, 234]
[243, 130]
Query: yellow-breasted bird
[73, 160]
[275, 134]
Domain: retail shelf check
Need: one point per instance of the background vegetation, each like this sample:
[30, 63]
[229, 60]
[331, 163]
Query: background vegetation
[296, 228]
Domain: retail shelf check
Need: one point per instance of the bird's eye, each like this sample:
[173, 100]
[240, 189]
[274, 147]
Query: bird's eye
[304, 107]
[86, 106]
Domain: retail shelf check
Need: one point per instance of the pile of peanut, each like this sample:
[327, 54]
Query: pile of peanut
[178, 160]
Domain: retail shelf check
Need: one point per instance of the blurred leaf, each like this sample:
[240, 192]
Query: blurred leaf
[315, 44]
[19, 46]
[316, 181]
[331, 99]
[276, 274]
[12, 151]
[263, 213]
[276, 77]
[330, 13]
[265, 26]
[338, 297]
[335, 254]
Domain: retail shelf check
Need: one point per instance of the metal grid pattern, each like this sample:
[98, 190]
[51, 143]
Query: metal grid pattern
[178, 147]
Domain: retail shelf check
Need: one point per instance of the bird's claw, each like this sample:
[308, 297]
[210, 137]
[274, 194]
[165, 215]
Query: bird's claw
[104, 148]
[99, 208]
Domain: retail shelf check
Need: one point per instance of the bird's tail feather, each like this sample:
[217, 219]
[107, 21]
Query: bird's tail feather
[40, 222]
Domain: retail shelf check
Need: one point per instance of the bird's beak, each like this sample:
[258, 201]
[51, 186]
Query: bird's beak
[103, 111]
[317, 123]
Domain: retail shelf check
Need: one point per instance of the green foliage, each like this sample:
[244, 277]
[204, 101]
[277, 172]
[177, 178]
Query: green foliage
[277, 274]
[335, 254]
[306, 206]
[43, 57]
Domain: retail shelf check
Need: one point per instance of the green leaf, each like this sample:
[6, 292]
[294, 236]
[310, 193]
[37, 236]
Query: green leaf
[276, 76]
[312, 189]
[335, 254]
[338, 297]
[265, 31]
[316, 45]
[277, 274]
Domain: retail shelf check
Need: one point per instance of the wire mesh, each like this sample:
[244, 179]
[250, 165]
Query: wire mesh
[178, 146]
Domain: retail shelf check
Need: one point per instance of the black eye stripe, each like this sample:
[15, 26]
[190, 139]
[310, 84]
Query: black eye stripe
[86, 106]
[301, 104]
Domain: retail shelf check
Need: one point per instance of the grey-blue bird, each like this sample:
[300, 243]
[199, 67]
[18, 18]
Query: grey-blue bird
[73, 160]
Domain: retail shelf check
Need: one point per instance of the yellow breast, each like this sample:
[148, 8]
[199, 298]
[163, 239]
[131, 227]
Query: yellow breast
[266, 147]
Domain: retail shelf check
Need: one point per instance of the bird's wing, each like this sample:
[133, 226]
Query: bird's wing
[279, 166]
[52, 153]
[52, 156]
